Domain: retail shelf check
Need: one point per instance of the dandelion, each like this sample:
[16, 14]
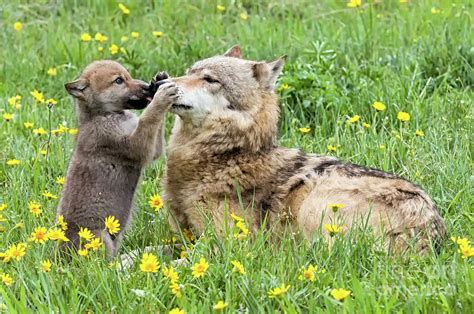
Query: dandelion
[35, 208]
[83, 252]
[100, 37]
[340, 294]
[6, 279]
[304, 130]
[28, 125]
[56, 234]
[52, 71]
[403, 116]
[419, 133]
[3, 206]
[124, 9]
[46, 266]
[332, 148]
[86, 37]
[366, 125]
[49, 196]
[61, 223]
[335, 207]
[114, 49]
[18, 26]
[354, 3]
[149, 263]
[72, 131]
[333, 229]
[38, 96]
[39, 235]
[124, 39]
[243, 16]
[15, 251]
[155, 202]
[85, 233]
[199, 269]
[278, 291]
[94, 244]
[7, 117]
[354, 119]
[112, 225]
[135, 34]
[238, 267]
[220, 305]
[379, 106]
[13, 162]
[176, 310]
[158, 34]
[308, 273]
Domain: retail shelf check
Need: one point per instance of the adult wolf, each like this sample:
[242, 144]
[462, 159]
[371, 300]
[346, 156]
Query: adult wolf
[223, 154]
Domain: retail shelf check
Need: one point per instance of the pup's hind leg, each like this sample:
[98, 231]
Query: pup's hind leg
[111, 244]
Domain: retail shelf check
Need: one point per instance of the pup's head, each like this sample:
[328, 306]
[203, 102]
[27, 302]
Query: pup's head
[106, 86]
[233, 95]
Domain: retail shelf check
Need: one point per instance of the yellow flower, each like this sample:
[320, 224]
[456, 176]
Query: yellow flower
[49, 195]
[38, 96]
[149, 263]
[34, 208]
[135, 34]
[354, 119]
[176, 289]
[243, 16]
[379, 106]
[382, 147]
[460, 241]
[28, 125]
[39, 235]
[176, 310]
[85, 233]
[403, 1]
[308, 273]
[114, 49]
[46, 266]
[435, 10]
[238, 267]
[94, 244]
[100, 49]
[403, 116]
[51, 101]
[283, 87]
[100, 38]
[43, 152]
[366, 125]
[199, 269]
[158, 34]
[60, 180]
[18, 26]
[124, 9]
[15, 101]
[243, 230]
[3, 206]
[124, 39]
[61, 223]
[72, 131]
[7, 117]
[85, 37]
[304, 130]
[419, 133]
[340, 294]
[354, 3]
[220, 305]
[13, 162]
[335, 207]
[220, 8]
[52, 71]
[155, 202]
[170, 273]
[15, 251]
[332, 148]
[112, 225]
[83, 252]
[278, 291]
[236, 218]
[6, 279]
[40, 131]
[332, 229]
[56, 234]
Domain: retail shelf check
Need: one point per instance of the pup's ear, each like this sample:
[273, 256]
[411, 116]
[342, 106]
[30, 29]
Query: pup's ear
[76, 88]
[234, 52]
[266, 73]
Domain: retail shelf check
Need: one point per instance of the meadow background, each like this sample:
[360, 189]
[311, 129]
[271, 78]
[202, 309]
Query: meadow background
[413, 56]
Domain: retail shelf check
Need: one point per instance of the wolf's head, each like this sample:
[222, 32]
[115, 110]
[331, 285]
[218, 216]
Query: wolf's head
[230, 101]
[106, 86]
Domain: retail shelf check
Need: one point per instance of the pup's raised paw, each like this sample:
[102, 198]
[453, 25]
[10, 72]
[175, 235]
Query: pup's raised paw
[159, 79]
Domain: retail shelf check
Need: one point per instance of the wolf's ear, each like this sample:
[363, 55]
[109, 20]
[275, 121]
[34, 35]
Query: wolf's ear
[266, 73]
[234, 52]
[76, 88]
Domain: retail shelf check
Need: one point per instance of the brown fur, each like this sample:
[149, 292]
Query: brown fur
[111, 149]
[224, 139]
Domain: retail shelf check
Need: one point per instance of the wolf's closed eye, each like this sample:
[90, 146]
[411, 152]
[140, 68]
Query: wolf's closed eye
[210, 80]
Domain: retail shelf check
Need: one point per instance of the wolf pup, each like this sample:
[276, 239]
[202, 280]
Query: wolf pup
[112, 147]
[224, 141]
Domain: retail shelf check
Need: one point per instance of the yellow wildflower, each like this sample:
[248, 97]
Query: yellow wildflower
[35, 208]
[354, 119]
[15, 251]
[176, 310]
[38, 96]
[332, 148]
[49, 195]
[335, 207]
[366, 125]
[124, 39]
[460, 241]
[340, 294]
[13, 162]
[72, 131]
[149, 263]
[83, 252]
[3, 206]
[114, 49]
[403, 116]
[382, 147]
[85, 37]
[39, 235]
[403, 1]
[100, 49]
[7, 117]
[60, 180]
[46, 266]
[52, 71]
[278, 291]
[220, 305]
[243, 16]
[354, 3]
[466, 251]
[100, 38]
[419, 133]
[332, 229]
[220, 8]
[94, 244]
[176, 289]
[199, 269]
[308, 273]
[158, 34]
[238, 267]
[18, 26]
[51, 101]
[6, 279]
[124, 9]
[61, 223]
[85, 233]
[155, 202]
[135, 34]
[435, 10]
[112, 224]
[40, 131]
[170, 273]
[56, 234]
[304, 130]
[28, 125]
[379, 106]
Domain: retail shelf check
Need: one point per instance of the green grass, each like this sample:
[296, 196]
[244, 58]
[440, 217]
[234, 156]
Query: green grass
[341, 60]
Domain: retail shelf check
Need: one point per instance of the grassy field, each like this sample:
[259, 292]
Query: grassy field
[413, 56]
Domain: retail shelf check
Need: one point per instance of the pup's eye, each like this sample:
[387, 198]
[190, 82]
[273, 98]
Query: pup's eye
[118, 81]
[209, 79]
